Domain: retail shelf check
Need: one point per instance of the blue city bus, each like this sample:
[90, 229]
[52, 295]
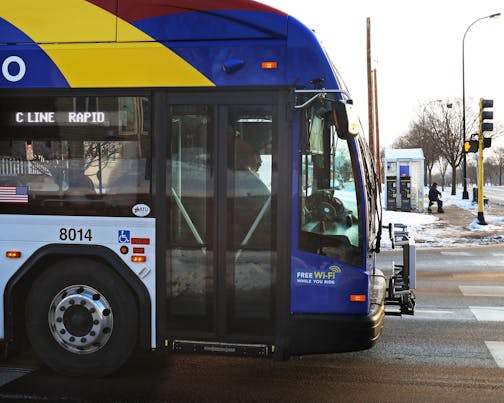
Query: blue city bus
[183, 175]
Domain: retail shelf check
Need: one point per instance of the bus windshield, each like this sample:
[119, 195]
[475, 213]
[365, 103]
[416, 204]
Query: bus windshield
[329, 214]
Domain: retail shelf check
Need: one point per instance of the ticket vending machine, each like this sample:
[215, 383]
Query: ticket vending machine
[391, 193]
[405, 190]
[404, 170]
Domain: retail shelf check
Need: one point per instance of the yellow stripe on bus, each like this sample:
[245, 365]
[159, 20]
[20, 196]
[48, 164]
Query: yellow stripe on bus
[60, 20]
[147, 64]
[67, 30]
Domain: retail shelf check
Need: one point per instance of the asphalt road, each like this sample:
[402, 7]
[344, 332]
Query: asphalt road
[452, 350]
[495, 194]
[456, 260]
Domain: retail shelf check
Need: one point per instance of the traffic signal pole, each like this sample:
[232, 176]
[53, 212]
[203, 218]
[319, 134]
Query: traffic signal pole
[485, 125]
[481, 176]
[473, 145]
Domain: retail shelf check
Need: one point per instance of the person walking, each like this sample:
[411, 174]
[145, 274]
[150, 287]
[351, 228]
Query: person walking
[435, 197]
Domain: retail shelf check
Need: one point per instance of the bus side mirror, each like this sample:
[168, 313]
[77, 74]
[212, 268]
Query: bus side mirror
[346, 119]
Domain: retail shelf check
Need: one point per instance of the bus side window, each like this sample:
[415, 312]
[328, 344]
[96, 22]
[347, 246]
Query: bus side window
[79, 183]
[94, 165]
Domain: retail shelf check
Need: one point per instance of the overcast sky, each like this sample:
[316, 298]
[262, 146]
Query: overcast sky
[416, 50]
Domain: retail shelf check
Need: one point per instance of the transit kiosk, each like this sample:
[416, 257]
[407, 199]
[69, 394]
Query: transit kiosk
[404, 170]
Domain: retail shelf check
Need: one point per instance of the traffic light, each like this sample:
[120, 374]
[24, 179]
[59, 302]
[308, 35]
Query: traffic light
[487, 142]
[471, 146]
[485, 115]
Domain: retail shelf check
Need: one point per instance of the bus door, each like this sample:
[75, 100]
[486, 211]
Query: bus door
[220, 229]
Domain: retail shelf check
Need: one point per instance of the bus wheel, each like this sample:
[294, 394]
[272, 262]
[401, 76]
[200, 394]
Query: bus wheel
[81, 319]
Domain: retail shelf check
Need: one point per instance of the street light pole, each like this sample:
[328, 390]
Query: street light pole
[465, 194]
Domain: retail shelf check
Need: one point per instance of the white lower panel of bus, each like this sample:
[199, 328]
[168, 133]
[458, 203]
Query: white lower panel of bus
[23, 235]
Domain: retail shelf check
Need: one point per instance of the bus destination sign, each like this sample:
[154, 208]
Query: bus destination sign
[42, 118]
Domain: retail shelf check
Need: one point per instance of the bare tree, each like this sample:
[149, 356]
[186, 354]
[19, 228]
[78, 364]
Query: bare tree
[498, 159]
[498, 130]
[445, 123]
[438, 130]
[419, 137]
[443, 166]
[471, 170]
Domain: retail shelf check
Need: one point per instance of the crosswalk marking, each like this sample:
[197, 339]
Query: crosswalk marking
[482, 290]
[496, 348]
[488, 313]
[433, 311]
[442, 314]
[461, 253]
[455, 253]
[479, 313]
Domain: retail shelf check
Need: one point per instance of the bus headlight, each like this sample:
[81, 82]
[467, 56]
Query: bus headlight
[378, 287]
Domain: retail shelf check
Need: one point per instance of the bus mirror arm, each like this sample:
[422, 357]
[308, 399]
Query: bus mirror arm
[344, 114]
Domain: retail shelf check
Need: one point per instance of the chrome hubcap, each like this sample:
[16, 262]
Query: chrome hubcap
[80, 319]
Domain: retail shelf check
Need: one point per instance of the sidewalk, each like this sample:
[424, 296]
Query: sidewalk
[461, 217]
[459, 226]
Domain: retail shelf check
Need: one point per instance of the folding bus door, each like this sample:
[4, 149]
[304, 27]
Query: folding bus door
[221, 217]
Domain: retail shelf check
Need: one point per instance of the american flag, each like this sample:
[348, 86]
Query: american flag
[14, 194]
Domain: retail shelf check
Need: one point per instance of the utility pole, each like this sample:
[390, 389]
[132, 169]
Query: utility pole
[370, 92]
[378, 156]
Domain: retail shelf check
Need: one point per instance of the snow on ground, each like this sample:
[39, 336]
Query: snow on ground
[452, 229]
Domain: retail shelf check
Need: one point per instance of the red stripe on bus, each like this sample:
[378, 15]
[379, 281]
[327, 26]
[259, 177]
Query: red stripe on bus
[134, 10]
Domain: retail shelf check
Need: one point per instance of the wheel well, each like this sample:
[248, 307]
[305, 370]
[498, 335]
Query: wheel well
[19, 285]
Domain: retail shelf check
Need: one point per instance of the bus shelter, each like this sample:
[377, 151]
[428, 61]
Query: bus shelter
[404, 176]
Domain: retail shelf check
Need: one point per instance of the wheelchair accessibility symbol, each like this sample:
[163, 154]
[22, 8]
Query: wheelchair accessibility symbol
[123, 236]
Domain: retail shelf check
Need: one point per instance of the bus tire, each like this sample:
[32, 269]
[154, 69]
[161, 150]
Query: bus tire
[81, 318]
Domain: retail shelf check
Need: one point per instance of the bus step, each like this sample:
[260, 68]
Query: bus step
[209, 347]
